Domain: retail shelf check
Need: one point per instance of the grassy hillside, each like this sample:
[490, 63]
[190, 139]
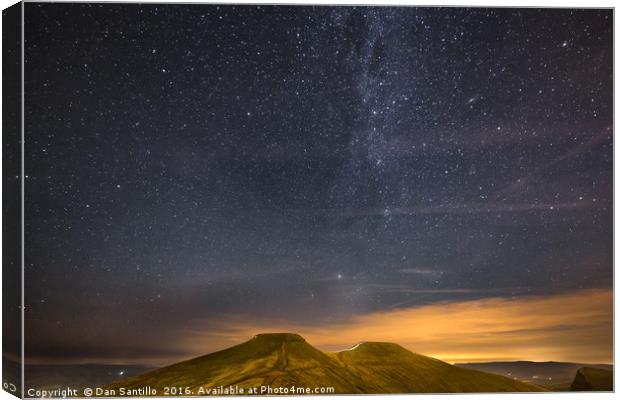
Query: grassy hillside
[593, 380]
[390, 368]
[267, 359]
[285, 359]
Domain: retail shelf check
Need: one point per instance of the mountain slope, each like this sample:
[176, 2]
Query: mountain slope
[390, 368]
[286, 359]
[593, 380]
[279, 360]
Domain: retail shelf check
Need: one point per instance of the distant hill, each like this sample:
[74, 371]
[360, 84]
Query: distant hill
[286, 359]
[593, 380]
[552, 375]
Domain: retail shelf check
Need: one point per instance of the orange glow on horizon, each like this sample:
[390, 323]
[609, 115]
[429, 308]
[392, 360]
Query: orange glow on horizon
[563, 327]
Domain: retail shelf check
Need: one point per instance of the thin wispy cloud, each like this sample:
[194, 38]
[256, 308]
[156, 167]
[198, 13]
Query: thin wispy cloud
[422, 271]
[466, 208]
[517, 187]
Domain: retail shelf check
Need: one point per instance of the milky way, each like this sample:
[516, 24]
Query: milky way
[188, 162]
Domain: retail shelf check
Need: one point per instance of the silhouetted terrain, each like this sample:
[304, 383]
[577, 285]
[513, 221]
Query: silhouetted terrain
[553, 375]
[593, 380]
[286, 359]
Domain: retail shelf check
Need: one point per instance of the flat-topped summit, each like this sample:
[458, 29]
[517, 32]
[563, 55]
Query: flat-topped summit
[377, 352]
[383, 346]
[280, 337]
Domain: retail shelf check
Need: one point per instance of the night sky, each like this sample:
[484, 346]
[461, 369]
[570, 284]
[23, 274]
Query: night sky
[207, 171]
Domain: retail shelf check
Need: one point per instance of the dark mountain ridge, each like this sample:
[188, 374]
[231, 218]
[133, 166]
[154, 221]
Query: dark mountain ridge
[284, 360]
[593, 380]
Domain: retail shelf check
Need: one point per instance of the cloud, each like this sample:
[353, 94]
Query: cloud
[407, 289]
[466, 208]
[604, 136]
[562, 327]
[422, 271]
[575, 326]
